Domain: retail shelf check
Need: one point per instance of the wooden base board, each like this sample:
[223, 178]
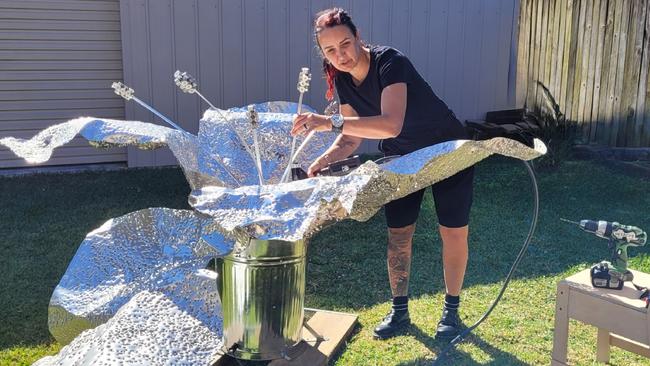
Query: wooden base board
[333, 327]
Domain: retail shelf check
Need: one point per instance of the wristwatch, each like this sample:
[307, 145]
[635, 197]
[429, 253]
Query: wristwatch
[337, 123]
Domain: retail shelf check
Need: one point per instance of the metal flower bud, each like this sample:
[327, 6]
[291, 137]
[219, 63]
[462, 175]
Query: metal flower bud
[253, 116]
[303, 80]
[122, 90]
[185, 82]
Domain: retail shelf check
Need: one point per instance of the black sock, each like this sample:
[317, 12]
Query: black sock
[452, 302]
[400, 303]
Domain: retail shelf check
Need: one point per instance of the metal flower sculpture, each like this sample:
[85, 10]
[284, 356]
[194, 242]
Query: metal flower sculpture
[137, 289]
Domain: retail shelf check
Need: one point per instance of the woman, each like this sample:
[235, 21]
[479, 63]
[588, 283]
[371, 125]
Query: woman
[383, 97]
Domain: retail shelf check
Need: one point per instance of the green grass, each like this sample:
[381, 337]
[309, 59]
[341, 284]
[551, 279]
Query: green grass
[45, 217]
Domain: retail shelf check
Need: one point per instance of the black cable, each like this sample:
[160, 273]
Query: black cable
[459, 338]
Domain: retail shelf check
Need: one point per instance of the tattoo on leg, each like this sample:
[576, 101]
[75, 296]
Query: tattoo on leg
[399, 258]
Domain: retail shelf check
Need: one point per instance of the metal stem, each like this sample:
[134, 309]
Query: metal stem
[257, 155]
[293, 144]
[205, 100]
[158, 114]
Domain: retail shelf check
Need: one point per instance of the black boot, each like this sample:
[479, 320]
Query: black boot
[394, 322]
[449, 324]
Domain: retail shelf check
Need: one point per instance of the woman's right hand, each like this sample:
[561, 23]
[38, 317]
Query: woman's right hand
[317, 166]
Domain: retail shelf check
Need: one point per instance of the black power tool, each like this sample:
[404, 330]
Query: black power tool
[612, 275]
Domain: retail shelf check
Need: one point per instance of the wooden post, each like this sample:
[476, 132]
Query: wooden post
[561, 337]
[602, 346]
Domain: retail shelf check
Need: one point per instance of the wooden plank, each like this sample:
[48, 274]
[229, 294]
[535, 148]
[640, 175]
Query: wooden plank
[561, 335]
[602, 345]
[506, 56]
[45, 75]
[561, 26]
[632, 72]
[566, 56]
[453, 53]
[587, 55]
[644, 89]
[612, 73]
[53, 14]
[59, 35]
[596, 94]
[96, 5]
[523, 50]
[545, 76]
[44, 65]
[539, 77]
[617, 113]
[555, 55]
[604, 101]
[629, 345]
[576, 65]
[323, 335]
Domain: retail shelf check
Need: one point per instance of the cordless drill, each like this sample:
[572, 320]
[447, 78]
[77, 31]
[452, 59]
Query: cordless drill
[613, 274]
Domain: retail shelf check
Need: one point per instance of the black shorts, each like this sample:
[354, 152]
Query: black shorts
[452, 197]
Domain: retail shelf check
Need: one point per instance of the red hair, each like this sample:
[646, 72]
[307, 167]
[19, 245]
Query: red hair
[329, 18]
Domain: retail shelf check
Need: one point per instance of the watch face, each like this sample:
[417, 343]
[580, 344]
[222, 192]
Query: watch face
[337, 120]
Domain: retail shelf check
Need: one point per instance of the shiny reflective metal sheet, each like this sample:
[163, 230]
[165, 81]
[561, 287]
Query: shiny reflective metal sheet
[262, 288]
[137, 274]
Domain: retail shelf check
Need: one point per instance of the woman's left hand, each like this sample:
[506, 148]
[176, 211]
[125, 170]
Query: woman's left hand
[306, 122]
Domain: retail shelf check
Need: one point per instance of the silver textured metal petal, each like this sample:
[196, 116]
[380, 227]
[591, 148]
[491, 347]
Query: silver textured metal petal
[152, 328]
[156, 249]
[222, 155]
[103, 132]
[296, 210]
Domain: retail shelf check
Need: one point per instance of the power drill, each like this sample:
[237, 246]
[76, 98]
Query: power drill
[612, 275]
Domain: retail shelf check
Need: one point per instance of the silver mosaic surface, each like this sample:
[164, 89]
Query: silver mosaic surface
[152, 328]
[296, 210]
[156, 249]
[138, 286]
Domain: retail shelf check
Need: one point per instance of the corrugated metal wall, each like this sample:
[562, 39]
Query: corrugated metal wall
[251, 51]
[57, 59]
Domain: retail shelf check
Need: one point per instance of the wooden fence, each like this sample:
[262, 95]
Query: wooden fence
[593, 56]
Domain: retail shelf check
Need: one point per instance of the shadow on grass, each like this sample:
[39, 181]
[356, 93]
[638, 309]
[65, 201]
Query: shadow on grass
[456, 357]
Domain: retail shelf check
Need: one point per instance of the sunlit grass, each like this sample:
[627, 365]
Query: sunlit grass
[45, 217]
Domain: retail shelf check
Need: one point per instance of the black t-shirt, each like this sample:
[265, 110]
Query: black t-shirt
[427, 121]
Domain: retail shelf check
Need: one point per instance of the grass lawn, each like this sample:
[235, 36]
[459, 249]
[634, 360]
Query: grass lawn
[45, 217]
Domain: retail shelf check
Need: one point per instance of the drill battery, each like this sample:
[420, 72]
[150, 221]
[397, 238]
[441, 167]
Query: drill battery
[602, 277]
